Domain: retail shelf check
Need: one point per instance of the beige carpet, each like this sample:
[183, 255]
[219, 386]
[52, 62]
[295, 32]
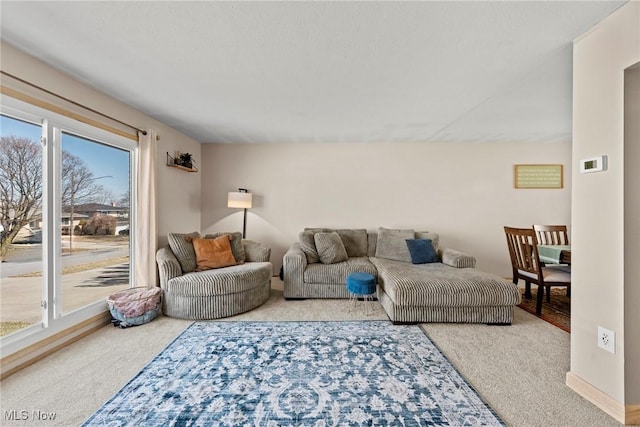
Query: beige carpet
[518, 369]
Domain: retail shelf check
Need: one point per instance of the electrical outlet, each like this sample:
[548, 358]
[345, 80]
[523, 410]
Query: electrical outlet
[606, 339]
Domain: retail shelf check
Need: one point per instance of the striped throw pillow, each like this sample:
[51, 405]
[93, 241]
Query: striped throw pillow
[181, 245]
[330, 248]
[308, 246]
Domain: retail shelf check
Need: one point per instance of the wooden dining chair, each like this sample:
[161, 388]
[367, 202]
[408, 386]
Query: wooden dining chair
[551, 234]
[525, 263]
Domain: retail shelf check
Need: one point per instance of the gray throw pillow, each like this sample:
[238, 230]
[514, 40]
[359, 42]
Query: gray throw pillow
[182, 247]
[392, 244]
[330, 247]
[315, 230]
[236, 244]
[354, 241]
[308, 246]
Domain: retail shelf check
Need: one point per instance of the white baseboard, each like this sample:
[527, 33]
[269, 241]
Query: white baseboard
[626, 414]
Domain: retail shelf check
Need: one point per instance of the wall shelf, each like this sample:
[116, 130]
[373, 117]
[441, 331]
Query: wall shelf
[171, 162]
[183, 168]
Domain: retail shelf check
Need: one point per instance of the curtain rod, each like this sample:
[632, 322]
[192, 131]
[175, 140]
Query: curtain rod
[144, 132]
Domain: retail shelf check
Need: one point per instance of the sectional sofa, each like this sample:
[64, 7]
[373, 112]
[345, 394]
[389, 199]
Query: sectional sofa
[446, 288]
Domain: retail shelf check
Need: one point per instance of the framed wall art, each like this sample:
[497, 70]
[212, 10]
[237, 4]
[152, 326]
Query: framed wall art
[538, 176]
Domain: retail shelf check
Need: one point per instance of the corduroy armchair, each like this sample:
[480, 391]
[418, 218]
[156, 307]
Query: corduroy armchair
[215, 293]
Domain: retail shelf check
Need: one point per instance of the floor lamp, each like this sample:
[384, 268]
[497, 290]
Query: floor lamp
[240, 199]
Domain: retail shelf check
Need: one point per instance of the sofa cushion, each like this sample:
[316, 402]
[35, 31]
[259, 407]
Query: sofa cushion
[330, 247]
[372, 241]
[457, 259]
[256, 251]
[213, 253]
[221, 281]
[336, 274]
[236, 244]
[308, 246]
[421, 251]
[355, 241]
[392, 244]
[315, 230]
[182, 246]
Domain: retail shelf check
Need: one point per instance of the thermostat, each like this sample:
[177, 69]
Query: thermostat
[593, 164]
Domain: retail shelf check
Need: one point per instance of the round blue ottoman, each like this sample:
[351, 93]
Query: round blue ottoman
[362, 285]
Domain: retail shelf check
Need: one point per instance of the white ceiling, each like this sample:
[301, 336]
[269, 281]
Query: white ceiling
[269, 72]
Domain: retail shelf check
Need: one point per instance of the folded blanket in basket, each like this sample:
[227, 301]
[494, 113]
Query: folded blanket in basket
[135, 304]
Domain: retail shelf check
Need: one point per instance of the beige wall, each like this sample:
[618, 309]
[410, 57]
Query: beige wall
[462, 191]
[632, 233]
[178, 191]
[598, 207]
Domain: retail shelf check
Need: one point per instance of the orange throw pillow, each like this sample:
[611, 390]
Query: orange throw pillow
[213, 253]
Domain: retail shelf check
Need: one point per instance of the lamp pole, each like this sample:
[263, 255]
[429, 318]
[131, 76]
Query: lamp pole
[71, 201]
[244, 222]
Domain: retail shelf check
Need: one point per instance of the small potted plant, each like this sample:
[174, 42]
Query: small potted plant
[186, 160]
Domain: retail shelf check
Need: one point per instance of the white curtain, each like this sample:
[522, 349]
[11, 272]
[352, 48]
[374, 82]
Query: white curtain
[146, 238]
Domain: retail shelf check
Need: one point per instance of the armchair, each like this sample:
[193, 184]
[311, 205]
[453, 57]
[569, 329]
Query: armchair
[213, 293]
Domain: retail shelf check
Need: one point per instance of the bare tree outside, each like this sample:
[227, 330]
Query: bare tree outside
[125, 199]
[105, 197]
[21, 185]
[78, 184]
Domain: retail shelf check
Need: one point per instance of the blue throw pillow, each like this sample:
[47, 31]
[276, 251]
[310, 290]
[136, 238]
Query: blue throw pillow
[421, 251]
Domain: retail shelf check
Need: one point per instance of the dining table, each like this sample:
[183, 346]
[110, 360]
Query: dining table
[555, 254]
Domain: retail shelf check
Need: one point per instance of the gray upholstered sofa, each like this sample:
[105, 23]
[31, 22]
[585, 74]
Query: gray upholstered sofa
[448, 290]
[214, 293]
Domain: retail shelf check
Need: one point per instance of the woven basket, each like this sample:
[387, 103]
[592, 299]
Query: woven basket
[146, 317]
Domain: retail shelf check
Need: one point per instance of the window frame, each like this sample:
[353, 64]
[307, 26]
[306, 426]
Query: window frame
[53, 124]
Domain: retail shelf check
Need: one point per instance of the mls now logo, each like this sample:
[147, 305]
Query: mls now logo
[23, 415]
[14, 415]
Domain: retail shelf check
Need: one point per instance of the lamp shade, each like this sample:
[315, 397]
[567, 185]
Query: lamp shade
[239, 200]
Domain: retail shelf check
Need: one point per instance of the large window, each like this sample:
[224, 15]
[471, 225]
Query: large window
[66, 219]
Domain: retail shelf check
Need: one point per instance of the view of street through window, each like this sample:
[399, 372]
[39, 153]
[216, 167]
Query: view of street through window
[92, 232]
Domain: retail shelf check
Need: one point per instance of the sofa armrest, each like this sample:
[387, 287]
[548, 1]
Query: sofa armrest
[457, 259]
[294, 263]
[256, 251]
[168, 265]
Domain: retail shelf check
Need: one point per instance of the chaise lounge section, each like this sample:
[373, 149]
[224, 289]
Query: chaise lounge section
[447, 288]
[437, 292]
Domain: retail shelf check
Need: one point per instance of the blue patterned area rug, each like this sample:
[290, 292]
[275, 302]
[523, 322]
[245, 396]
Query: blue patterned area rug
[367, 373]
